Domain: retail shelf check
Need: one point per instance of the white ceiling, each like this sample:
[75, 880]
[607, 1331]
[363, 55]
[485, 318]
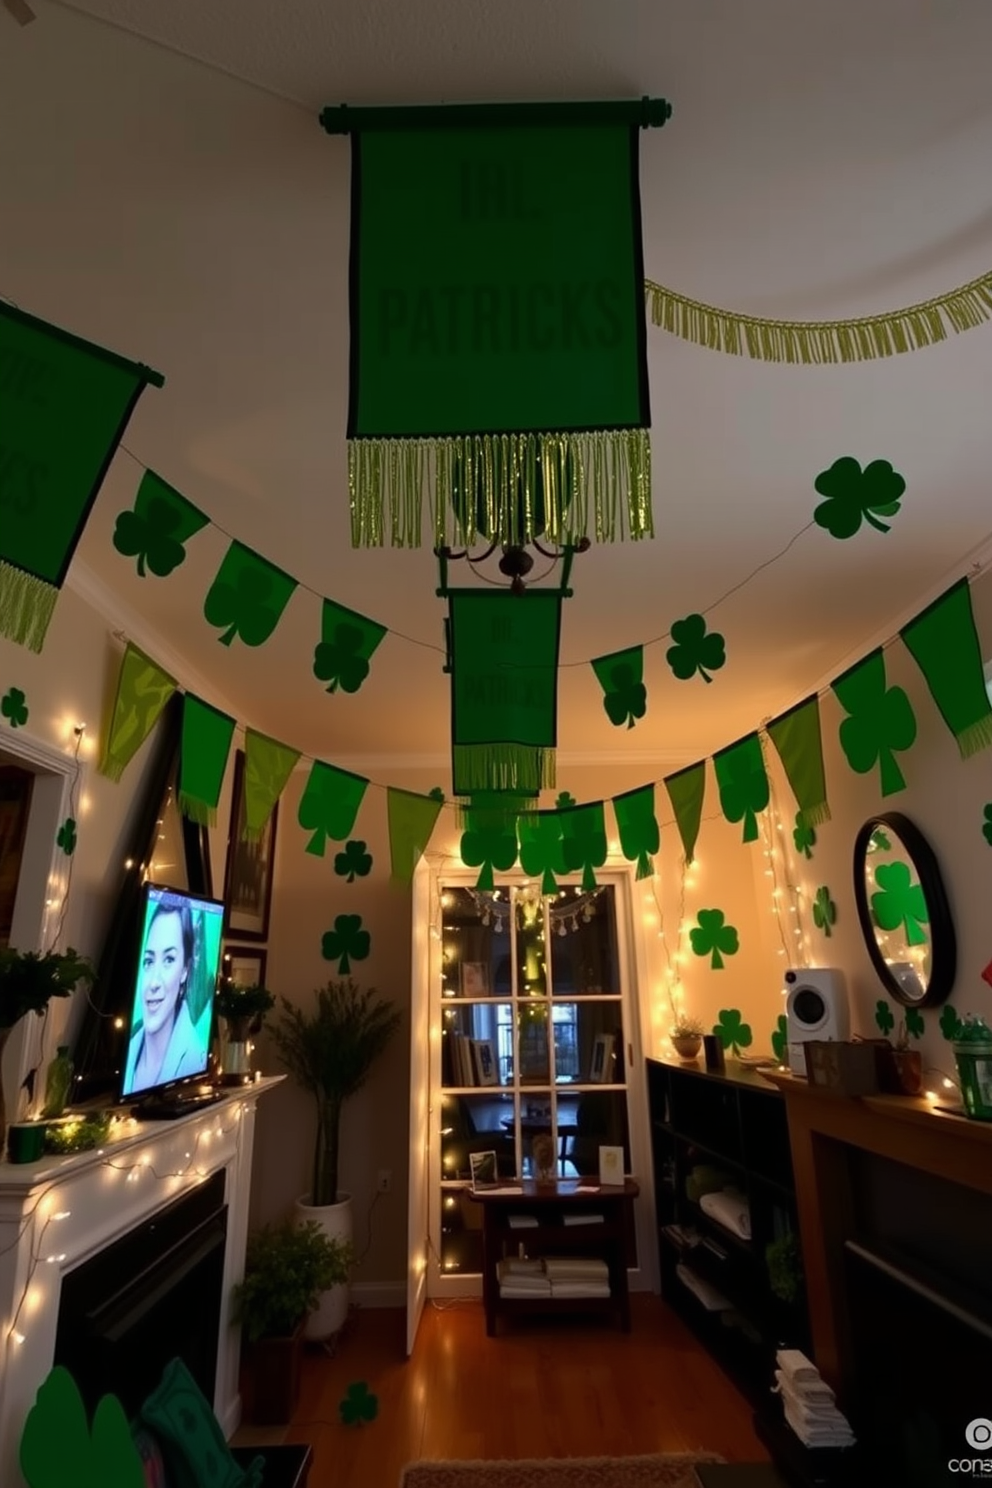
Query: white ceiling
[822, 161]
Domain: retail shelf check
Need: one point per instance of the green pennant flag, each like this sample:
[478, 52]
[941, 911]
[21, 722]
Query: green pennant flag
[247, 597]
[583, 838]
[944, 644]
[143, 689]
[64, 406]
[156, 531]
[489, 841]
[329, 805]
[743, 783]
[796, 736]
[341, 657]
[637, 824]
[881, 721]
[542, 848]
[621, 677]
[503, 656]
[204, 747]
[411, 819]
[497, 322]
[268, 765]
[686, 789]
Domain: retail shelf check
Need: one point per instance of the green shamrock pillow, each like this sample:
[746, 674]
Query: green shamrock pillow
[190, 1436]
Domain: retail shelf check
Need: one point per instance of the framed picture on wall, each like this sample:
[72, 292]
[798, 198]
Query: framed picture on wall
[244, 965]
[474, 980]
[248, 880]
[601, 1065]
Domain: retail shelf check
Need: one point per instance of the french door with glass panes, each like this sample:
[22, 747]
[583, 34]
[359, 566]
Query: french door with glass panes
[535, 1033]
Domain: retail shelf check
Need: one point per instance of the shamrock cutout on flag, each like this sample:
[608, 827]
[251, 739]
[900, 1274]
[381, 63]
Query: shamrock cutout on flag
[780, 1038]
[347, 942]
[151, 537]
[987, 824]
[901, 903]
[584, 843]
[14, 708]
[354, 862]
[329, 805]
[627, 698]
[732, 1031]
[824, 910]
[338, 662]
[743, 783]
[852, 494]
[915, 1025]
[804, 836]
[245, 606]
[713, 938]
[950, 1024]
[358, 1405]
[489, 842]
[695, 651]
[542, 852]
[883, 1017]
[880, 722]
[66, 836]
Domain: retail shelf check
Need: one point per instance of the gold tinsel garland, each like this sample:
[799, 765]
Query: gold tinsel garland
[815, 342]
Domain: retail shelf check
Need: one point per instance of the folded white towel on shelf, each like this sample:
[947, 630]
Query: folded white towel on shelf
[813, 1391]
[796, 1367]
[508, 1290]
[711, 1299]
[569, 1287]
[582, 1266]
[519, 1266]
[521, 1221]
[837, 1436]
[581, 1219]
[730, 1209]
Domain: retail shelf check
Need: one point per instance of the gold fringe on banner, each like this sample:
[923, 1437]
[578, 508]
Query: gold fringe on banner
[815, 342]
[27, 604]
[522, 769]
[510, 488]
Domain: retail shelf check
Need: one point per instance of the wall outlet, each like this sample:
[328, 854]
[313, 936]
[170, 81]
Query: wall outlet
[384, 1181]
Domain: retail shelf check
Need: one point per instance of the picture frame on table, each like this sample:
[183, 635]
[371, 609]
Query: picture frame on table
[601, 1064]
[244, 966]
[485, 1173]
[474, 979]
[611, 1167]
[250, 865]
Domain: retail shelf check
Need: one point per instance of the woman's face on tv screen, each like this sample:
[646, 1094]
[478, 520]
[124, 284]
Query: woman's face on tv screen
[163, 970]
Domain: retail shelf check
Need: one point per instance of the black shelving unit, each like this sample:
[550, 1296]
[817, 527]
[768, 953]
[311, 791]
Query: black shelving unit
[735, 1123]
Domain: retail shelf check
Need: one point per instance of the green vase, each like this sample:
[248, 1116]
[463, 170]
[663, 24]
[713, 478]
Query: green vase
[58, 1083]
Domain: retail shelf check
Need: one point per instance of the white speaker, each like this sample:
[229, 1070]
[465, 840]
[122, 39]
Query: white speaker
[816, 1007]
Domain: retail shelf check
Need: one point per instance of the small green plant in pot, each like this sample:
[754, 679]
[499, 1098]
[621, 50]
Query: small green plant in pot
[687, 1036]
[242, 1009]
[28, 982]
[330, 1048]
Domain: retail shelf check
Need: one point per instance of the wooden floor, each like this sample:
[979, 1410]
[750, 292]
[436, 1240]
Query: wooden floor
[541, 1389]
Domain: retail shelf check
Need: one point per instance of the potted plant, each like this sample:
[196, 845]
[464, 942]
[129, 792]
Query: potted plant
[28, 982]
[330, 1049]
[687, 1036]
[242, 1009]
[287, 1267]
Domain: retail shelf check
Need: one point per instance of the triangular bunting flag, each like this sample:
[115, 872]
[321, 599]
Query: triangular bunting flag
[685, 791]
[329, 805]
[944, 644]
[542, 849]
[743, 783]
[157, 530]
[489, 841]
[268, 765]
[411, 819]
[796, 736]
[584, 845]
[203, 751]
[621, 677]
[881, 721]
[637, 824]
[341, 658]
[247, 597]
[143, 689]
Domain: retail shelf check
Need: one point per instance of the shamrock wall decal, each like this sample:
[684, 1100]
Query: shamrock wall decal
[66, 836]
[853, 494]
[780, 1038]
[900, 902]
[713, 938]
[732, 1031]
[354, 862]
[347, 942]
[804, 836]
[883, 1017]
[987, 823]
[14, 707]
[695, 651]
[358, 1405]
[247, 597]
[915, 1025]
[950, 1023]
[338, 662]
[879, 841]
[824, 910]
[881, 721]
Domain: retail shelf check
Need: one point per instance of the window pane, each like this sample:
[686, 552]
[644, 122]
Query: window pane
[531, 969]
[532, 1034]
[600, 1121]
[476, 954]
[583, 942]
[476, 1123]
[476, 1043]
[592, 1044]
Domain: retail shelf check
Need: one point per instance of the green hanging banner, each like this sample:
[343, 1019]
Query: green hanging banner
[329, 805]
[498, 344]
[944, 644]
[796, 735]
[503, 658]
[489, 841]
[411, 820]
[64, 406]
[268, 766]
[621, 677]
[542, 848]
[143, 690]
[637, 824]
[247, 597]
[203, 751]
[583, 840]
[881, 721]
[157, 530]
[743, 783]
[341, 658]
[686, 789]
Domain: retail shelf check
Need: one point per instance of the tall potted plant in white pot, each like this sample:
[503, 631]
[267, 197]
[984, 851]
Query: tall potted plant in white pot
[329, 1049]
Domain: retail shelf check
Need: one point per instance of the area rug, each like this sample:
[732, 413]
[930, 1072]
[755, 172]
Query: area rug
[666, 1471]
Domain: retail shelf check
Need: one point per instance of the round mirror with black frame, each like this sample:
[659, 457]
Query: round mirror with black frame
[903, 909]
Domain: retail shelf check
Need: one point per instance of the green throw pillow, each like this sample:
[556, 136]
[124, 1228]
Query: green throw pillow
[189, 1433]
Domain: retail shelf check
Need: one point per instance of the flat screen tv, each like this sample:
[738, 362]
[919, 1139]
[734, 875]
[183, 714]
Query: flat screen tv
[175, 981]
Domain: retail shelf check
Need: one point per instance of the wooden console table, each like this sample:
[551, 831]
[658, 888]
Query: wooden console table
[548, 1203]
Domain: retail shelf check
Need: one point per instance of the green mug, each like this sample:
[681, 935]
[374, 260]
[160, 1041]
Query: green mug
[25, 1141]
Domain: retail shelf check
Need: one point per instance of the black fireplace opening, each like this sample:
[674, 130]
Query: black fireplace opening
[152, 1295]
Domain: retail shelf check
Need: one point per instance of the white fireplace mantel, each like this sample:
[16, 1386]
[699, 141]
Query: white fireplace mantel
[59, 1212]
